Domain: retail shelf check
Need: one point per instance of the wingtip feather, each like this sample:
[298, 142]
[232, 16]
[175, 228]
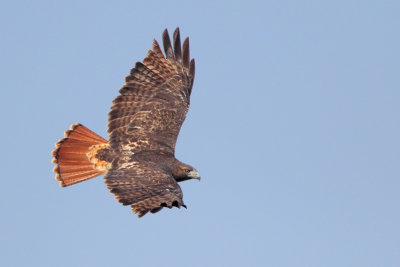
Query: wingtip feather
[192, 70]
[169, 53]
[177, 45]
[186, 52]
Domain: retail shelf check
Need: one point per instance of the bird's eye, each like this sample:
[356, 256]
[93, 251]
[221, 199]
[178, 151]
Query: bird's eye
[188, 170]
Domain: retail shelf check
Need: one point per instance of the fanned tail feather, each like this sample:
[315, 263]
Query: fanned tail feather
[75, 156]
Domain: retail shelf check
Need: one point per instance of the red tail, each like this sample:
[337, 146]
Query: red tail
[75, 156]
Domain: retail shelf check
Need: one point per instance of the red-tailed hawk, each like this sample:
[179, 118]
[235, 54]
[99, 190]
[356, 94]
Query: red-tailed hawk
[139, 159]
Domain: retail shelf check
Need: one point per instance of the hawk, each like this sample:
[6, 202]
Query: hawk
[138, 160]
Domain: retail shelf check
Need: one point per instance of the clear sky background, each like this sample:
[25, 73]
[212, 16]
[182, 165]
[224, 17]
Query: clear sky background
[294, 127]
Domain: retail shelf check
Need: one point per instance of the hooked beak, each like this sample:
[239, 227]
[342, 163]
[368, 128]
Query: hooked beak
[194, 175]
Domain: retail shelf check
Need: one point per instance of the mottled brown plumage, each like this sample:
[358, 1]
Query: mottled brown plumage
[144, 123]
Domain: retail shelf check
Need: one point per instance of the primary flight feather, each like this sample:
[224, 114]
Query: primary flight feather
[144, 122]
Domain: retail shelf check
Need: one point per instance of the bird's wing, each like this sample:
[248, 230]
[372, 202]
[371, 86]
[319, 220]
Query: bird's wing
[149, 113]
[145, 187]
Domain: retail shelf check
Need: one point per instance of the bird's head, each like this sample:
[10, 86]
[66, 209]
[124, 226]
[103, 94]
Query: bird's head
[182, 172]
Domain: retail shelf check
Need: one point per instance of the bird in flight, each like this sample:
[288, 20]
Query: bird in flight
[138, 160]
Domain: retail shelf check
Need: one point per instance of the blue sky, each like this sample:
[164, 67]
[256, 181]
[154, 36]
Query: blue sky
[294, 127]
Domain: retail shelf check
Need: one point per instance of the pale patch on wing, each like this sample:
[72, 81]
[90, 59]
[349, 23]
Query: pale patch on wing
[128, 165]
[135, 146]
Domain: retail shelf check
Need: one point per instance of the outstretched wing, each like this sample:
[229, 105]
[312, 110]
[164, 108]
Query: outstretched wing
[151, 189]
[149, 113]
